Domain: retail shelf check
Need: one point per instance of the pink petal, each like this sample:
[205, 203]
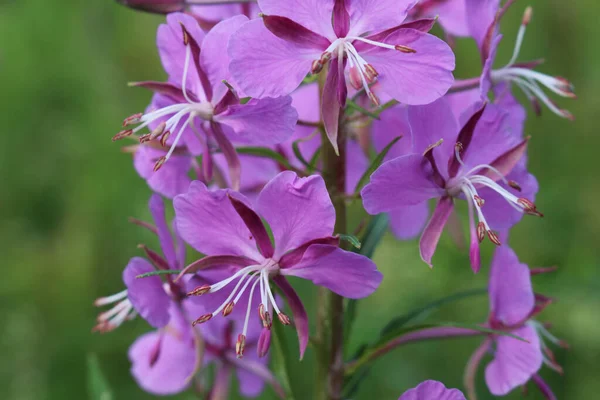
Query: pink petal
[480, 15]
[296, 209]
[433, 231]
[408, 222]
[171, 179]
[208, 222]
[403, 181]
[377, 15]
[260, 121]
[432, 390]
[415, 78]
[515, 361]
[453, 17]
[300, 318]
[264, 65]
[511, 294]
[172, 50]
[147, 294]
[312, 14]
[214, 59]
[169, 373]
[157, 209]
[347, 274]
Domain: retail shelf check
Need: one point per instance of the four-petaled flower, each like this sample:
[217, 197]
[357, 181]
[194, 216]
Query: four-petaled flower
[224, 226]
[198, 108]
[271, 56]
[482, 163]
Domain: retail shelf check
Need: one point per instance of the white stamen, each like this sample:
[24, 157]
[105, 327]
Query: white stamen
[188, 52]
[245, 330]
[268, 288]
[102, 301]
[372, 42]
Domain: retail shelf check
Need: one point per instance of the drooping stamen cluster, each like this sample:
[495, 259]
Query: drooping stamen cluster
[250, 276]
[180, 112]
[529, 81]
[113, 318]
[467, 184]
[361, 73]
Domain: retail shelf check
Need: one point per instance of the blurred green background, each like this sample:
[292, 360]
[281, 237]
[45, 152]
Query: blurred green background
[67, 191]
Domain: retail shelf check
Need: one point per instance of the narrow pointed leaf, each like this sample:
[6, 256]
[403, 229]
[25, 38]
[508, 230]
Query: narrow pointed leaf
[353, 240]
[161, 272]
[281, 359]
[98, 388]
[352, 106]
[264, 152]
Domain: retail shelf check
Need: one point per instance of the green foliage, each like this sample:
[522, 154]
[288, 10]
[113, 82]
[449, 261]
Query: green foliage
[98, 387]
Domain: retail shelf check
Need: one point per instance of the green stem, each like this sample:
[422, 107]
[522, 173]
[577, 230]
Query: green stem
[334, 168]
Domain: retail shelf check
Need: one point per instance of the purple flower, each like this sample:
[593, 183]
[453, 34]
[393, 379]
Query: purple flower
[271, 57]
[163, 362]
[451, 13]
[432, 390]
[196, 111]
[210, 15]
[513, 304]
[483, 163]
[222, 225]
[149, 297]
[484, 18]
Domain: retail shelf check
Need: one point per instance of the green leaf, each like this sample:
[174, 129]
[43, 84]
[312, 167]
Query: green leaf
[373, 235]
[265, 153]
[298, 153]
[352, 106]
[245, 100]
[160, 272]
[353, 240]
[280, 359]
[370, 240]
[399, 322]
[375, 164]
[98, 388]
[384, 107]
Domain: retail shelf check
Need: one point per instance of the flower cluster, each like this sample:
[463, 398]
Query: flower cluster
[263, 133]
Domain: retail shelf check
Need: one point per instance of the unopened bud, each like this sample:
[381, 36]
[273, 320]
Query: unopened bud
[480, 231]
[264, 342]
[494, 238]
[122, 134]
[161, 161]
[404, 49]
[240, 345]
[200, 290]
[202, 319]
[228, 308]
[284, 319]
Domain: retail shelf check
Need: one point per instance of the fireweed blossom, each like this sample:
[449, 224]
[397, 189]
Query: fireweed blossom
[513, 304]
[451, 13]
[483, 163]
[271, 56]
[195, 111]
[484, 17]
[150, 297]
[432, 390]
[222, 225]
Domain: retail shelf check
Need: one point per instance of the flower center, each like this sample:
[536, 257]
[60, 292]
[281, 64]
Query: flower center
[467, 184]
[361, 73]
[248, 278]
[530, 81]
[179, 112]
